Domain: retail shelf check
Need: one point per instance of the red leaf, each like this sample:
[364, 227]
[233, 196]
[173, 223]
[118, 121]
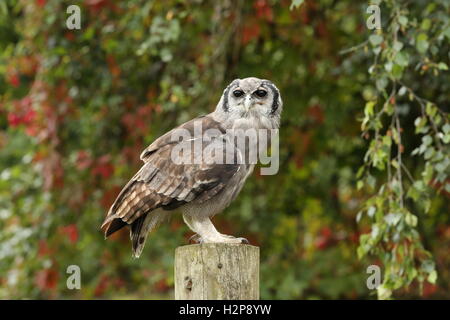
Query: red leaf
[161, 286]
[263, 10]
[71, 231]
[14, 80]
[46, 279]
[101, 286]
[113, 66]
[325, 239]
[103, 167]
[326, 232]
[250, 32]
[97, 5]
[321, 243]
[103, 170]
[429, 289]
[43, 250]
[14, 120]
[29, 116]
[69, 36]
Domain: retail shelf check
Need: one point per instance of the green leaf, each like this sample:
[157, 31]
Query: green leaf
[427, 140]
[430, 109]
[3, 8]
[381, 83]
[441, 166]
[413, 193]
[402, 59]
[446, 32]
[422, 43]
[166, 55]
[359, 185]
[403, 20]
[447, 187]
[442, 66]
[392, 218]
[402, 91]
[427, 174]
[426, 24]
[430, 7]
[428, 265]
[420, 123]
[361, 252]
[358, 216]
[446, 138]
[446, 128]
[432, 277]
[411, 219]
[376, 39]
[375, 231]
[388, 66]
[397, 46]
[429, 153]
[295, 4]
[383, 292]
[371, 211]
[368, 109]
[397, 71]
[371, 180]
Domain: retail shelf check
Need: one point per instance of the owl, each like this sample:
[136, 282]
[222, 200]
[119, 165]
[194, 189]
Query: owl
[178, 175]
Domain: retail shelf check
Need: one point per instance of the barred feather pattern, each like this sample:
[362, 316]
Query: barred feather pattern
[165, 185]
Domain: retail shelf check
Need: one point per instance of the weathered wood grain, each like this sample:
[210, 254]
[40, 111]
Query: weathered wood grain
[217, 271]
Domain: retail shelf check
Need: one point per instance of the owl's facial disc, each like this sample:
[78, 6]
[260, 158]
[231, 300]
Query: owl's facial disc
[251, 98]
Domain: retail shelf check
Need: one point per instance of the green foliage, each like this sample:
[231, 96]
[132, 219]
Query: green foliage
[78, 106]
[407, 53]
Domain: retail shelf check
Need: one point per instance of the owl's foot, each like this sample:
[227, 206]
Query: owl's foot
[207, 233]
[222, 238]
[234, 239]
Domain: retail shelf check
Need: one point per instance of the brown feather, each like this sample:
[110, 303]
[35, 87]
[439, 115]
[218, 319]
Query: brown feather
[161, 183]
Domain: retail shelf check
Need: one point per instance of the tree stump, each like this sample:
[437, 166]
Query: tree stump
[217, 271]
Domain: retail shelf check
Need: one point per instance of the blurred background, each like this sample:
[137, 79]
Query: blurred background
[78, 106]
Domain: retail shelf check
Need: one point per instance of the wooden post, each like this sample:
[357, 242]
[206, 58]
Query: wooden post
[217, 271]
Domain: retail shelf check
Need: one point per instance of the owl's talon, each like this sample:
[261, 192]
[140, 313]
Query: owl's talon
[195, 238]
[244, 241]
[232, 239]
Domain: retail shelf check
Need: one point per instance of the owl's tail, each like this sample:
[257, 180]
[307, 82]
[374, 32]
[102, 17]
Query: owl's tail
[138, 207]
[141, 228]
[138, 235]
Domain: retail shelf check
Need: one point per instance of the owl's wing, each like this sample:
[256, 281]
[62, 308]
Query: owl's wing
[164, 183]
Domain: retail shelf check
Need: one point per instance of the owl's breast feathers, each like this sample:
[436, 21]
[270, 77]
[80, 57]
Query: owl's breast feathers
[164, 183]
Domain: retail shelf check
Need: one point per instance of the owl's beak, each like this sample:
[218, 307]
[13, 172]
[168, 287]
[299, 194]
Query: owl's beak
[248, 102]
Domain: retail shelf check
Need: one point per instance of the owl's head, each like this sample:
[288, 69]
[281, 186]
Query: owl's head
[257, 101]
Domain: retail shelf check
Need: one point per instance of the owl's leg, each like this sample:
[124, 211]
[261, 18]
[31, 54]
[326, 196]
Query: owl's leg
[207, 233]
[196, 238]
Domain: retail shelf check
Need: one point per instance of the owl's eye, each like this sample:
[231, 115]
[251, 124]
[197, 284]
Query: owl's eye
[238, 93]
[261, 93]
